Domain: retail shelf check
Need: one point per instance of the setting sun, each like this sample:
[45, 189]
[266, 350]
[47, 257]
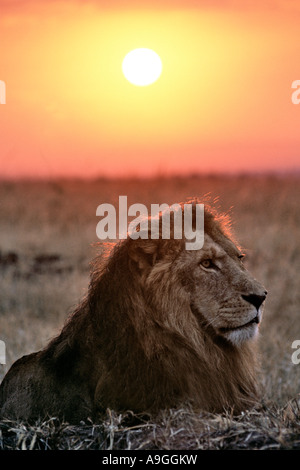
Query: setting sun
[176, 88]
[142, 67]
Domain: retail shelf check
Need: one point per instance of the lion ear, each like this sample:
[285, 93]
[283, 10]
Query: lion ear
[143, 252]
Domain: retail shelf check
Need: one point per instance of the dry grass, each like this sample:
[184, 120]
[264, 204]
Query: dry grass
[46, 243]
[267, 429]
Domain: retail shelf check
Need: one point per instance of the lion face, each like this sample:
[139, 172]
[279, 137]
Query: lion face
[208, 287]
[223, 295]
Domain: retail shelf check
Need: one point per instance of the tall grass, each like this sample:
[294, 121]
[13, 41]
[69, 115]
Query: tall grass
[50, 228]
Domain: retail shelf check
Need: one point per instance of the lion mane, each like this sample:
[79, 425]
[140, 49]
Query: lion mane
[142, 339]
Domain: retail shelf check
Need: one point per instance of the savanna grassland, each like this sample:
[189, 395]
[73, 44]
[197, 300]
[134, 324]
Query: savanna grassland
[47, 241]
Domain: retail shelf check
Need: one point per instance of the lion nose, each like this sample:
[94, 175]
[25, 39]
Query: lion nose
[255, 299]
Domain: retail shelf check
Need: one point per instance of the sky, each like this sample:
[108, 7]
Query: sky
[223, 102]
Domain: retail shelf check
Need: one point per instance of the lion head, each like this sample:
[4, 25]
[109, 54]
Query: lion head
[161, 326]
[210, 285]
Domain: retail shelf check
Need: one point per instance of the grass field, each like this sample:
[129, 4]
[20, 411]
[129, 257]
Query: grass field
[47, 240]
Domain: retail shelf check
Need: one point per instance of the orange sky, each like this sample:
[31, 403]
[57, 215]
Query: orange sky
[222, 103]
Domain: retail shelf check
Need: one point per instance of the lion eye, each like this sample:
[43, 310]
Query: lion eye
[241, 257]
[208, 264]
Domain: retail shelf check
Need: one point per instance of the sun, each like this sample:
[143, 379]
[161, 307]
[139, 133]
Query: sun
[142, 66]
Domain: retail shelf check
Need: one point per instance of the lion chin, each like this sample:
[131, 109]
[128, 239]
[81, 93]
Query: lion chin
[161, 326]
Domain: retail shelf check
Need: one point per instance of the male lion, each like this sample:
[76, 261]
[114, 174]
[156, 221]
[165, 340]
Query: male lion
[160, 326]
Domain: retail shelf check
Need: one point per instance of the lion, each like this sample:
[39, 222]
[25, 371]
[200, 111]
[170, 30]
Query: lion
[161, 326]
